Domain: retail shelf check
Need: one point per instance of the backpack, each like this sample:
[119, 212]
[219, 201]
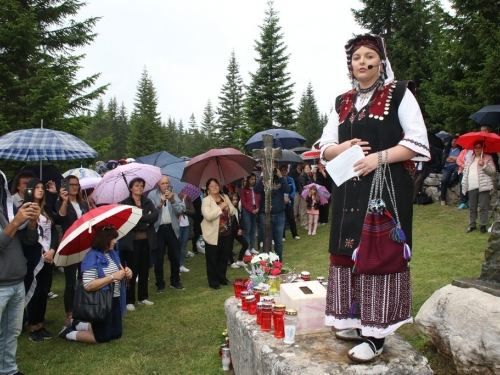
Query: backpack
[423, 198]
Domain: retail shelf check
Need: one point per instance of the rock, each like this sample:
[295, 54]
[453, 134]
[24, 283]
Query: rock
[464, 325]
[255, 352]
[491, 267]
[434, 179]
[433, 192]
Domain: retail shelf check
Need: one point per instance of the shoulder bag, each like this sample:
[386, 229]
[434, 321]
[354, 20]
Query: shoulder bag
[382, 248]
[92, 306]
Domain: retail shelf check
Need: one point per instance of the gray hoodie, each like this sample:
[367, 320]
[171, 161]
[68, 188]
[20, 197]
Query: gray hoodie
[12, 260]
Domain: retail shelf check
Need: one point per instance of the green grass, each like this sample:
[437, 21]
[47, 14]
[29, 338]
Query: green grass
[182, 331]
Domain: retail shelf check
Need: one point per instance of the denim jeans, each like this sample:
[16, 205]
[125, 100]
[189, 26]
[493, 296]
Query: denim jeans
[249, 227]
[11, 320]
[448, 177]
[183, 240]
[277, 228]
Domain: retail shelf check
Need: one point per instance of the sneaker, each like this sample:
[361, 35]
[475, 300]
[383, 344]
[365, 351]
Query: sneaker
[482, 229]
[160, 290]
[261, 246]
[183, 269]
[462, 206]
[313, 233]
[309, 233]
[45, 334]
[255, 252]
[272, 242]
[66, 329]
[53, 295]
[349, 335]
[443, 203]
[240, 263]
[36, 336]
[283, 239]
[297, 237]
[189, 254]
[248, 253]
[177, 286]
[146, 302]
[234, 265]
[364, 352]
[130, 307]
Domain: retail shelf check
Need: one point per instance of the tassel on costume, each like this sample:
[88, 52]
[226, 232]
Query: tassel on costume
[355, 258]
[406, 251]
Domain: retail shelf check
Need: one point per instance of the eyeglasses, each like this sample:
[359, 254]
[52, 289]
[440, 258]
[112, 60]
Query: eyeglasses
[108, 227]
[74, 185]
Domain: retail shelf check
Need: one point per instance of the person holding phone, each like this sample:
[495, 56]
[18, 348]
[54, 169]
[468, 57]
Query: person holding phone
[40, 255]
[69, 208]
[167, 230]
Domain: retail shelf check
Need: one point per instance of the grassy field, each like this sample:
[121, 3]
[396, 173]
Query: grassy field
[181, 333]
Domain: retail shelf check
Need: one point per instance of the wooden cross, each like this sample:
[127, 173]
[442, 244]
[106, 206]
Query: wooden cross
[267, 155]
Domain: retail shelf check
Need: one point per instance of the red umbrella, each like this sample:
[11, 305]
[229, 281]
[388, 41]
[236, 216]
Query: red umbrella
[491, 141]
[226, 165]
[76, 241]
[310, 155]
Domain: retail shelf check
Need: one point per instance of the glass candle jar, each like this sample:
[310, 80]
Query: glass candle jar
[278, 322]
[237, 287]
[256, 292]
[290, 322]
[244, 294]
[226, 358]
[274, 285]
[305, 275]
[251, 304]
[267, 311]
[268, 299]
[321, 279]
[259, 312]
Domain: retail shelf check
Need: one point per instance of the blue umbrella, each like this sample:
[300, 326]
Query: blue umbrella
[170, 165]
[282, 138]
[43, 144]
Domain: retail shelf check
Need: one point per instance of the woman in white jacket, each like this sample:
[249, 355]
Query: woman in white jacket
[477, 183]
[217, 210]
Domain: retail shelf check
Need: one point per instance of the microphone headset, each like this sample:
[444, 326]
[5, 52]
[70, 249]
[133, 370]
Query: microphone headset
[373, 66]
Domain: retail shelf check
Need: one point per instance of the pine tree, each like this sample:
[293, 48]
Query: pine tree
[37, 69]
[270, 93]
[308, 120]
[145, 125]
[192, 126]
[181, 136]
[208, 128]
[230, 110]
[119, 128]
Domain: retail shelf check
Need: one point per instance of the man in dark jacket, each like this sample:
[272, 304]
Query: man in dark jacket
[279, 189]
[13, 270]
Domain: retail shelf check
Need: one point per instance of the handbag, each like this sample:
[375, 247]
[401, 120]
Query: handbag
[382, 247]
[92, 306]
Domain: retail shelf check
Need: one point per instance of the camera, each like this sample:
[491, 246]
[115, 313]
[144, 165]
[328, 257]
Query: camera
[28, 195]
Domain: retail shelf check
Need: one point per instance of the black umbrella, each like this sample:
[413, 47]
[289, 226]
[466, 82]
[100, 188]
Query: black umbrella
[489, 115]
[300, 149]
[289, 157]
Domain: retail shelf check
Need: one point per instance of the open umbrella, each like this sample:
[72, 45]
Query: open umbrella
[322, 193]
[299, 150]
[170, 165]
[226, 165]
[113, 187]
[289, 157]
[489, 115]
[491, 141]
[76, 240]
[81, 173]
[282, 138]
[310, 155]
[90, 182]
[43, 144]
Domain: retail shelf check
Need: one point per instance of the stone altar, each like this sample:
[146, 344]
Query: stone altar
[255, 352]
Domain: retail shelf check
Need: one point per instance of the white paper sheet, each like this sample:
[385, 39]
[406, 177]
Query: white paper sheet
[341, 168]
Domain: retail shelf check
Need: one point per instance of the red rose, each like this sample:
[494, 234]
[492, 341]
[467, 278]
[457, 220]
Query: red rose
[266, 269]
[263, 263]
[275, 271]
[277, 264]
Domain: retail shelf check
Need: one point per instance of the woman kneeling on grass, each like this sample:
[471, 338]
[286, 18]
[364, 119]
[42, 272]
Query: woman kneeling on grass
[101, 269]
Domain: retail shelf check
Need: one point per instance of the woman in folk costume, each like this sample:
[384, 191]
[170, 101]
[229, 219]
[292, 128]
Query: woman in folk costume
[383, 117]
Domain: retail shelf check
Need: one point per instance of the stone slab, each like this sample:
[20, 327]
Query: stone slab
[484, 286]
[255, 352]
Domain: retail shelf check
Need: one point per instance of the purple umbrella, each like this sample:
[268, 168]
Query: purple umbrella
[191, 191]
[322, 193]
[113, 187]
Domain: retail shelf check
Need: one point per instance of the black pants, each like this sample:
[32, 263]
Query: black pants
[216, 257]
[38, 303]
[244, 246]
[290, 219]
[111, 328]
[323, 213]
[138, 262]
[70, 273]
[167, 243]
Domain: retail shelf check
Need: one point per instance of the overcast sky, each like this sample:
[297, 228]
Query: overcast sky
[185, 45]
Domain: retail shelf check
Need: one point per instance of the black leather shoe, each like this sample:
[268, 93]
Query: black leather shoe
[470, 229]
[225, 282]
[482, 229]
[215, 287]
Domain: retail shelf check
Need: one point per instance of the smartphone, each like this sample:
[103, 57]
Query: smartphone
[28, 195]
[170, 188]
[65, 184]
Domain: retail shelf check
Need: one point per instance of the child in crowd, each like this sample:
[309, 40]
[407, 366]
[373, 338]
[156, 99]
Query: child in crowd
[313, 204]
[237, 233]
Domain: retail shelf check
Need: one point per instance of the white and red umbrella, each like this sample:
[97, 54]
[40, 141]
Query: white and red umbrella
[310, 155]
[76, 241]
